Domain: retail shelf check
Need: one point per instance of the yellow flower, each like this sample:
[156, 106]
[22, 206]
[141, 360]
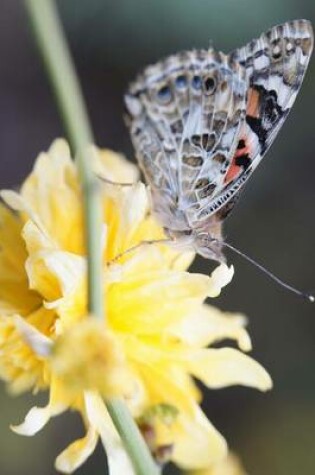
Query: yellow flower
[158, 328]
[230, 465]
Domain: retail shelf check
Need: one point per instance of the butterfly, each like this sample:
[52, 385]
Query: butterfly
[201, 121]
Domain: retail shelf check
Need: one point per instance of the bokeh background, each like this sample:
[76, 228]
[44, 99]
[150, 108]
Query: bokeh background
[273, 433]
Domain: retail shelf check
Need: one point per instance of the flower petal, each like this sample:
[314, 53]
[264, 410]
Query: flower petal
[117, 458]
[55, 273]
[39, 343]
[77, 452]
[12, 250]
[38, 417]
[114, 166]
[230, 465]
[51, 196]
[35, 239]
[17, 203]
[154, 295]
[220, 277]
[34, 421]
[226, 367]
[124, 219]
[198, 444]
[209, 325]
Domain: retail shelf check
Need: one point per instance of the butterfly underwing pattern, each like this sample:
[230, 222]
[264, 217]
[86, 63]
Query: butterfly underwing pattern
[201, 121]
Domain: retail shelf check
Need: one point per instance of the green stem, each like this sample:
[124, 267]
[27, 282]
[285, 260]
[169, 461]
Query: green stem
[57, 59]
[132, 438]
[61, 72]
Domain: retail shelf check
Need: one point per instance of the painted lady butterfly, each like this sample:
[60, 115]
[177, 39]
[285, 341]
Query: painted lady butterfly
[201, 121]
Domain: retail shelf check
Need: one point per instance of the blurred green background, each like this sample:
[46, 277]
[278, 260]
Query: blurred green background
[273, 433]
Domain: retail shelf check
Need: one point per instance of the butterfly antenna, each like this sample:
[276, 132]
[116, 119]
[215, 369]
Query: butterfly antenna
[305, 295]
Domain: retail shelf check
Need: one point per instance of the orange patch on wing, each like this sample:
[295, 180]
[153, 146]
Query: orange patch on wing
[253, 111]
[253, 103]
[234, 170]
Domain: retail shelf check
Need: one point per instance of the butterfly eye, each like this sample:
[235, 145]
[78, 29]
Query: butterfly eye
[210, 85]
[196, 82]
[164, 95]
[181, 82]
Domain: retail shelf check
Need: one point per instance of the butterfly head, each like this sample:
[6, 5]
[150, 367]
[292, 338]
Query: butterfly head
[208, 246]
[203, 243]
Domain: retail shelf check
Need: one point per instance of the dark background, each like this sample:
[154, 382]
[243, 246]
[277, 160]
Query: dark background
[274, 221]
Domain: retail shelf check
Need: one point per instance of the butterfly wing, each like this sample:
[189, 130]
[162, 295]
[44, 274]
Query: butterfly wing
[275, 65]
[194, 141]
[185, 115]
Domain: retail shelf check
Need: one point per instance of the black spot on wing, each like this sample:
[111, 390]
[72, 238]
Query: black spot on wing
[269, 115]
[241, 144]
[243, 161]
[256, 126]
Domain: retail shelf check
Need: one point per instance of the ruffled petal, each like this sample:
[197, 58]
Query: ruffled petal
[197, 443]
[38, 417]
[17, 203]
[167, 384]
[36, 340]
[209, 325]
[134, 206]
[154, 294]
[23, 369]
[226, 367]
[230, 465]
[15, 296]
[77, 452]
[117, 458]
[114, 166]
[59, 212]
[220, 277]
[131, 205]
[12, 251]
[55, 273]
[36, 239]
[34, 421]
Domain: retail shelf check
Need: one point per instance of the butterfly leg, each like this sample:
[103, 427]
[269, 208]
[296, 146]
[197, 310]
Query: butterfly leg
[140, 244]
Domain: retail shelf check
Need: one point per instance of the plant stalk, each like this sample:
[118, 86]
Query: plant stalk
[57, 59]
[132, 438]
